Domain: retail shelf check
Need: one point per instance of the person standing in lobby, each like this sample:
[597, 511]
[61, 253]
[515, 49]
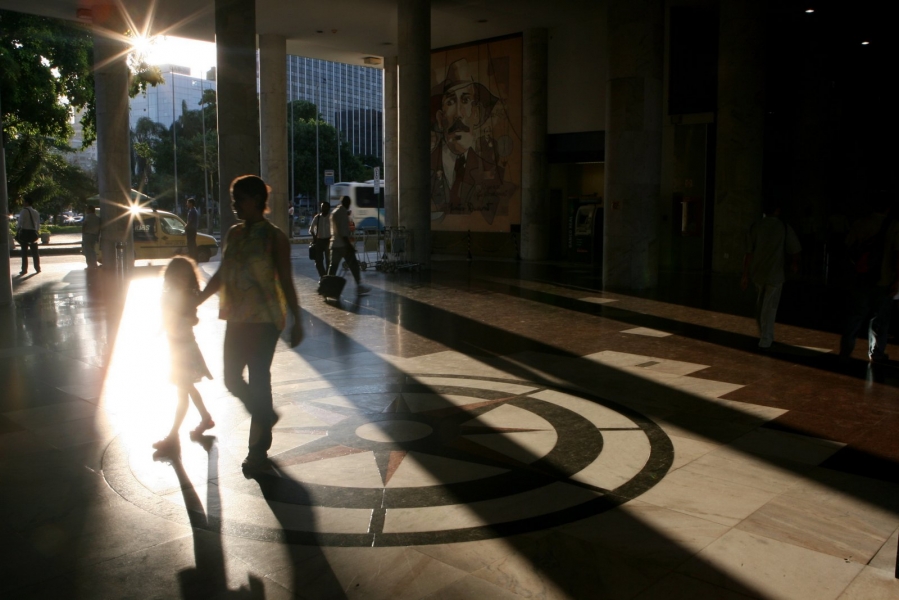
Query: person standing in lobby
[768, 241]
[90, 235]
[873, 245]
[29, 225]
[193, 224]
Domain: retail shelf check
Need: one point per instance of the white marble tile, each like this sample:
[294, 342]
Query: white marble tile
[618, 359]
[886, 557]
[765, 413]
[422, 402]
[368, 574]
[624, 454]
[594, 300]
[790, 446]
[703, 387]
[419, 470]
[479, 384]
[597, 414]
[647, 332]
[738, 467]
[507, 415]
[872, 584]
[686, 450]
[255, 510]
[550, 498]
[707, 497]
[359, 468]
[525, 447]
[773, 569]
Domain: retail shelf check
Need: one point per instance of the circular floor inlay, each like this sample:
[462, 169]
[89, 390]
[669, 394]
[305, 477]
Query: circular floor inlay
[393, 431]
[410, 460]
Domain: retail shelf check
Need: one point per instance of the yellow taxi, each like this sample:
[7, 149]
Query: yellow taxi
[160, 234]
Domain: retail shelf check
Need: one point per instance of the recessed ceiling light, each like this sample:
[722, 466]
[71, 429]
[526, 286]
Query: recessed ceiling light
[866, 43]
[809, 10]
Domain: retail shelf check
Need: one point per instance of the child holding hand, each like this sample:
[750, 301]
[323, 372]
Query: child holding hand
[181, 290]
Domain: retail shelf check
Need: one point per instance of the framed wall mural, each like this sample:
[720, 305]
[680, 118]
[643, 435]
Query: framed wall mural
[476, 136]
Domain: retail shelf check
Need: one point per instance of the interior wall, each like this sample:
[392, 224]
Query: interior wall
[578, 72]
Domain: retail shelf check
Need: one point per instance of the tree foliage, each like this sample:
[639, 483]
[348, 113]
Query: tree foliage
[43, 61]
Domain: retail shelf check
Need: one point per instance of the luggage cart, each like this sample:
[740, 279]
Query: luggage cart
[397, 239]
[371, 246]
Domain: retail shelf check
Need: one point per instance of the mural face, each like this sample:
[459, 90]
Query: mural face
[475, 139]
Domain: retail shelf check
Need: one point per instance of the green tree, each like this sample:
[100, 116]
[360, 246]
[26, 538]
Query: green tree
[305, 117]
[47, 74]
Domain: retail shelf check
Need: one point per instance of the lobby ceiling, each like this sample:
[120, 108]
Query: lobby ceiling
[341, 30]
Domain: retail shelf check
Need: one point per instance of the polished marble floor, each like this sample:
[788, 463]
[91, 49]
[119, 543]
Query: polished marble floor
[484, 430]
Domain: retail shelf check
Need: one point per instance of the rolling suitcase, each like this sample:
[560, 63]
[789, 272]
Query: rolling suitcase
[331, 286]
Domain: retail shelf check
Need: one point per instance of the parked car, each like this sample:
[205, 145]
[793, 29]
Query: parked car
[160, 234]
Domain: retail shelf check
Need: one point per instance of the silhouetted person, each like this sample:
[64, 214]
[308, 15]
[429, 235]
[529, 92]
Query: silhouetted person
[90, 235]
[768, 241]
[320, 230]
[29, 225]
[193, 224]
[342, 247]
[873, 246]
[256, 283]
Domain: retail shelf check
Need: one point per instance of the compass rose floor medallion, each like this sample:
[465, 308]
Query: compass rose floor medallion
[407, 460]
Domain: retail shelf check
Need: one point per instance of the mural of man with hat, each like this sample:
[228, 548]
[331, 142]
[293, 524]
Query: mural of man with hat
[462, 180]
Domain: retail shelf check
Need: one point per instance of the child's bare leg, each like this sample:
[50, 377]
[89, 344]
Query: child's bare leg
[180, 411]
[198, 402]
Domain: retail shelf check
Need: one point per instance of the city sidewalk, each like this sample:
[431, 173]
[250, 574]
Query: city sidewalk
[483, 430]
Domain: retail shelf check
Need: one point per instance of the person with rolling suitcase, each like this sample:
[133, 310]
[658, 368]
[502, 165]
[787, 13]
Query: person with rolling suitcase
[341, 249]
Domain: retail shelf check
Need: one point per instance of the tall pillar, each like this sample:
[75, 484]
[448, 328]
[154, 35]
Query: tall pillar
[414, 60]
[273, 116]
[534, 175]
[391, 143]
[741, 120]
[633, 144]
[111, 77]
[237, 107]
[6, 296]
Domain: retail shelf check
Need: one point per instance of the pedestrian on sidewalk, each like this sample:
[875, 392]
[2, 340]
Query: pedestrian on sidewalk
[256, 283]
[181, 292]
[27, 235]
[768, 243]
[873, 248]
[342, 247]
[90, 236]
[193, 224]
[320, 230]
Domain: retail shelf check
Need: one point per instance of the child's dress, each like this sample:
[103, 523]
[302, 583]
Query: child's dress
[179, 309]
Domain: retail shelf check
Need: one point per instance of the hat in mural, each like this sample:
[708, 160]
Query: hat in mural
[458, 77]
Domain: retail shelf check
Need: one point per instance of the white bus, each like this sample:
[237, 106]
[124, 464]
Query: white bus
[367, 209]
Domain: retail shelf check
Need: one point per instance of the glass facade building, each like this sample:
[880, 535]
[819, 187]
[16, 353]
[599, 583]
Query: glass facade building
[165, 103]
[349, 97]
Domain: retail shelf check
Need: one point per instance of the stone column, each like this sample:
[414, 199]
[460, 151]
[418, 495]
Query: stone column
[111, 78]
[633, 144]
[414, 60]
[534, 175]
[741, 120]
[391, 144]
[273, 116]
[237, 107]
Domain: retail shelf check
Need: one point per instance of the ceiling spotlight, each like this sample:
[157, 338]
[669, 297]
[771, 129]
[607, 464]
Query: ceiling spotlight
[809, 11]
[866, 43]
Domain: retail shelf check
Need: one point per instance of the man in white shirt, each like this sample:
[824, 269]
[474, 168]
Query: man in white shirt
[29, 225]
[341, 246]
[90, 235]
